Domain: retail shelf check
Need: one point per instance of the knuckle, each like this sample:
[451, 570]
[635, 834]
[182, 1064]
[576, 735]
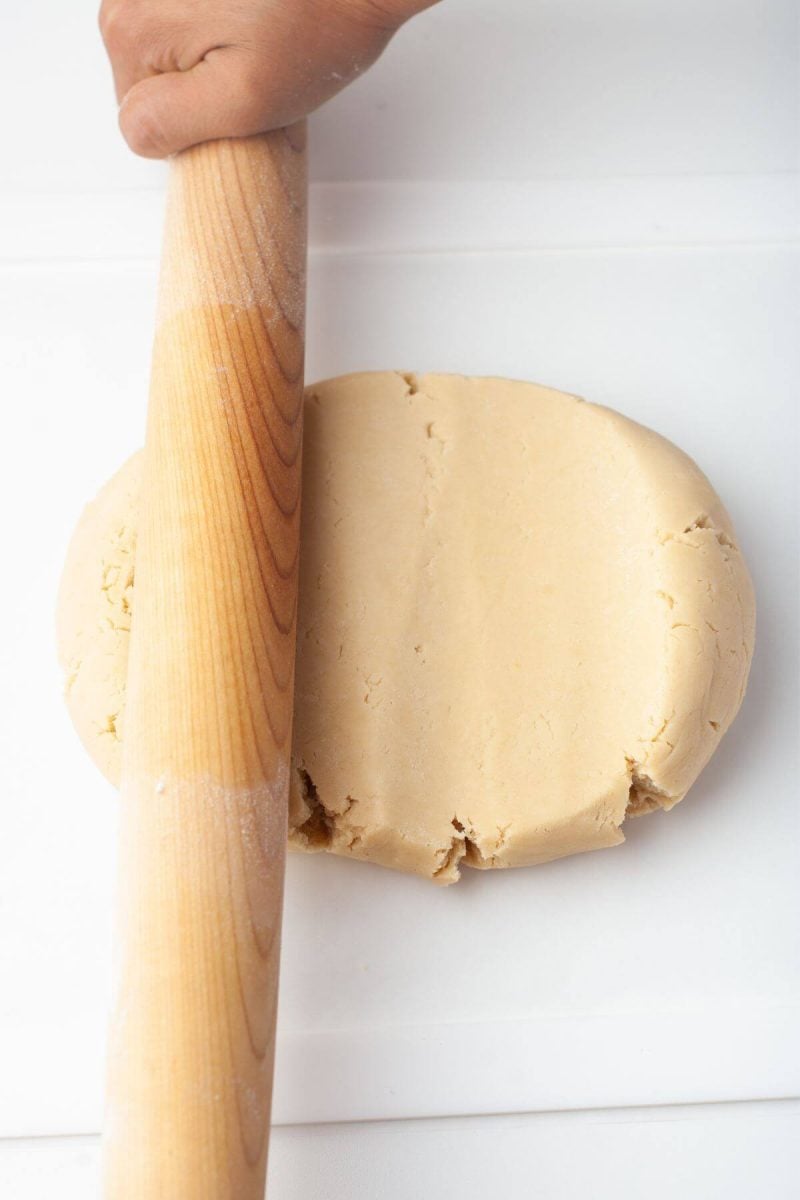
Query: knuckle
[123, 24]
[113, 21]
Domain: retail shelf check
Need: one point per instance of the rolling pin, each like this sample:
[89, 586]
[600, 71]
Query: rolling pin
[209, 718]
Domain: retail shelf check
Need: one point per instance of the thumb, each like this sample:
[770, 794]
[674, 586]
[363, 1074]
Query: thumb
[224, 95]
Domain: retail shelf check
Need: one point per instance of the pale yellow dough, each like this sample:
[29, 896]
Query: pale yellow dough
[522, 617]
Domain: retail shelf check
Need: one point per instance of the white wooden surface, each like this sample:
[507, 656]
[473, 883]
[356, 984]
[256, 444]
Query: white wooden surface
[714, 1152]
[600, 196]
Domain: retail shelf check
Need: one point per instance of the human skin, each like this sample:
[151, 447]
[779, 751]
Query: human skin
[187, 71]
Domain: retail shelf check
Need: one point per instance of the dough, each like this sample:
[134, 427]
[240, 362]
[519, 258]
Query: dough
[522, 618]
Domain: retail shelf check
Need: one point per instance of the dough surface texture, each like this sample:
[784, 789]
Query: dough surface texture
[522, 618]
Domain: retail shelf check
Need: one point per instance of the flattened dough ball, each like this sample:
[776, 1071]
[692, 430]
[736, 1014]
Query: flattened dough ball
[522, 618]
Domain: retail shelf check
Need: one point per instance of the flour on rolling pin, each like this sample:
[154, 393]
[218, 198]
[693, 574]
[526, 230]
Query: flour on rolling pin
[522, 618]
[268, 247]
[235, 805]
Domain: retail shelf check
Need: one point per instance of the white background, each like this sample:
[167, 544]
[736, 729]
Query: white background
[601, 196]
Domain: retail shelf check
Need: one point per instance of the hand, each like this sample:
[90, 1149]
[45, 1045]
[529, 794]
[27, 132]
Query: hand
[186, 71]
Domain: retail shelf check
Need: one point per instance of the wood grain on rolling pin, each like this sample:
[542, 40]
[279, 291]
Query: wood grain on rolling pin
[205, 771]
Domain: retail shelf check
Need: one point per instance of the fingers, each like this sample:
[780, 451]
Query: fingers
[187, 71]
[223, 96]
[145, 38]
[129, 48]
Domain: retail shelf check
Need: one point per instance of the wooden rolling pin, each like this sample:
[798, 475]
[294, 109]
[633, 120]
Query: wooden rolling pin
[209, 712]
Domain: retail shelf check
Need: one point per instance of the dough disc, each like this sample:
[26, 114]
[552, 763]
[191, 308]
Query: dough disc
[522, 618]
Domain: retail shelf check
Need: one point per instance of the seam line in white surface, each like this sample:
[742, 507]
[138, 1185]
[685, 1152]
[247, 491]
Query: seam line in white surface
[616, 1114]
[648, 177]
[430, 216]
[528, 251]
